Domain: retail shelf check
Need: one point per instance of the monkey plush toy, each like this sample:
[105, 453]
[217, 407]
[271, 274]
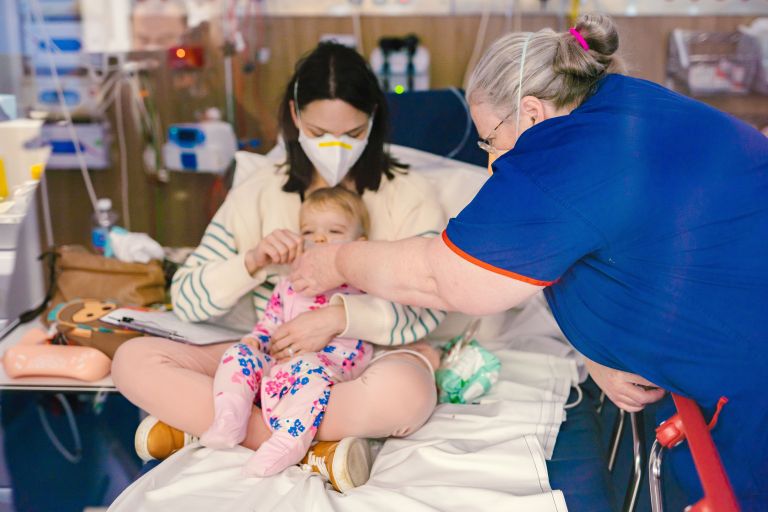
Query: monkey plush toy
[79, 322]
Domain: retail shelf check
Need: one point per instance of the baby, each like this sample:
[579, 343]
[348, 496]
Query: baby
[293, 394]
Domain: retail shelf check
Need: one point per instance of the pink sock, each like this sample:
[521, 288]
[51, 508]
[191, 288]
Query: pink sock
[277, 453]
[230, 421]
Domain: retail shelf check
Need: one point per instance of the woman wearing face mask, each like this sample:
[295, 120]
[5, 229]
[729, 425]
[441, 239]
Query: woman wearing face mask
[641, 212]
[333, 122]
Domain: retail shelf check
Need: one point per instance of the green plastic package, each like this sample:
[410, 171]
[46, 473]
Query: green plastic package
[467, 371]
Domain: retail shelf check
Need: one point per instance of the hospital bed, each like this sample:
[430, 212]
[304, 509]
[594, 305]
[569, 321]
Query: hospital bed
[518, 449]
[467, 457]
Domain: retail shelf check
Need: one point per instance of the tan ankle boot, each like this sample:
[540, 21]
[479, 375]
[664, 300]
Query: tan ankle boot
[346, 463]
[157, 440]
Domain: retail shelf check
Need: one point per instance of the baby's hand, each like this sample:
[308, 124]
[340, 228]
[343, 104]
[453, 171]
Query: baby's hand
[251, 342]
[279, 247]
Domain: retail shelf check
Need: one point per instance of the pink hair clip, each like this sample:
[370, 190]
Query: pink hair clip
[579, 38]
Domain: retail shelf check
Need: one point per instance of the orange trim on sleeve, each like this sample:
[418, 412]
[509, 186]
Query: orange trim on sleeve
[486, 266]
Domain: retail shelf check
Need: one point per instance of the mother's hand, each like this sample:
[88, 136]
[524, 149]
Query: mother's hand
[315, 272]
[308, 332]
[628, 391]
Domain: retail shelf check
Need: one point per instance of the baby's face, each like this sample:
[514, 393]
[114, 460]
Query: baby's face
[328, 225]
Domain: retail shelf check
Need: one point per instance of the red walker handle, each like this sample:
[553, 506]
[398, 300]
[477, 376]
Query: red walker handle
[689, 424]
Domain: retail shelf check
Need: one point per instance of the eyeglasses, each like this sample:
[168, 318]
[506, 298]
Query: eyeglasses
[486, 144]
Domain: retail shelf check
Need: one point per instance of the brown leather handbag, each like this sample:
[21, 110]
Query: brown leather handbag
[81, 274]
[87, 286]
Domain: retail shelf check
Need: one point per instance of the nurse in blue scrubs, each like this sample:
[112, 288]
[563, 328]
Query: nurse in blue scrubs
[643, 215]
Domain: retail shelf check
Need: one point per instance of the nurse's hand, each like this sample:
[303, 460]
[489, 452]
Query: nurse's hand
[308, 332]
[279, 247]
[628, 391]
[314, 271]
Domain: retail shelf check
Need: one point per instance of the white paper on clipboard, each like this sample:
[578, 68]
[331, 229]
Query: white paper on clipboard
[166, 324]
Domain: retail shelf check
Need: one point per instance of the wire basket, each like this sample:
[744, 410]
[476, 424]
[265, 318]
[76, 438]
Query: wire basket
[709, 63]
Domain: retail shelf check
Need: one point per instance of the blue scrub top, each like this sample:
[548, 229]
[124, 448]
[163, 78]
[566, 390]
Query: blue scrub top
[645, 214]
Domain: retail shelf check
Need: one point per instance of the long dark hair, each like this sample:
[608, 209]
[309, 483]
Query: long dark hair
[334, 71]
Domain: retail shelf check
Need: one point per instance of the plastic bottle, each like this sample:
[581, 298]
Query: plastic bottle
[102, 221]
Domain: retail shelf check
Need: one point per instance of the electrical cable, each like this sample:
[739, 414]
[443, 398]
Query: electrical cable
[35, 4]
[31, 314]
[127, 76]
[106, 90]
[124, 193]
[467, 128]
[479, 41]
[150, 131]
[23, 318]
[142, 114]
[110, 92]
[155, 136]
[75, 457]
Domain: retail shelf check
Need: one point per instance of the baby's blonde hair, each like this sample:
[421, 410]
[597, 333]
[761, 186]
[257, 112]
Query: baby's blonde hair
[342, 199]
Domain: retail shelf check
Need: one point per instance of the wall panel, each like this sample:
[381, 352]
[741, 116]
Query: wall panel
[177, 212]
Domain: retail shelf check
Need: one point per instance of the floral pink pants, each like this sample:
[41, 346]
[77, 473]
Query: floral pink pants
[293, 395]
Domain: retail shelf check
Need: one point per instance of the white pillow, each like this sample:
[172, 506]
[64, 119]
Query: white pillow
[455, 182]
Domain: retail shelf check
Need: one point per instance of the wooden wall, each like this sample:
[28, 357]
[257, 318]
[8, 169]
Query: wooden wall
[177, 212]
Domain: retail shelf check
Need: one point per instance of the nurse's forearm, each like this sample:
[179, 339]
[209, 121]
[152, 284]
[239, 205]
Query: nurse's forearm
[396, 271]
[426, 272]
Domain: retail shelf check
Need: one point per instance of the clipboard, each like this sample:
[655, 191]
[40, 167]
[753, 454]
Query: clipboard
[165, 324]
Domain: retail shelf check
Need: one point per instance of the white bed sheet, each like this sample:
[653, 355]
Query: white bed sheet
[487, 456]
